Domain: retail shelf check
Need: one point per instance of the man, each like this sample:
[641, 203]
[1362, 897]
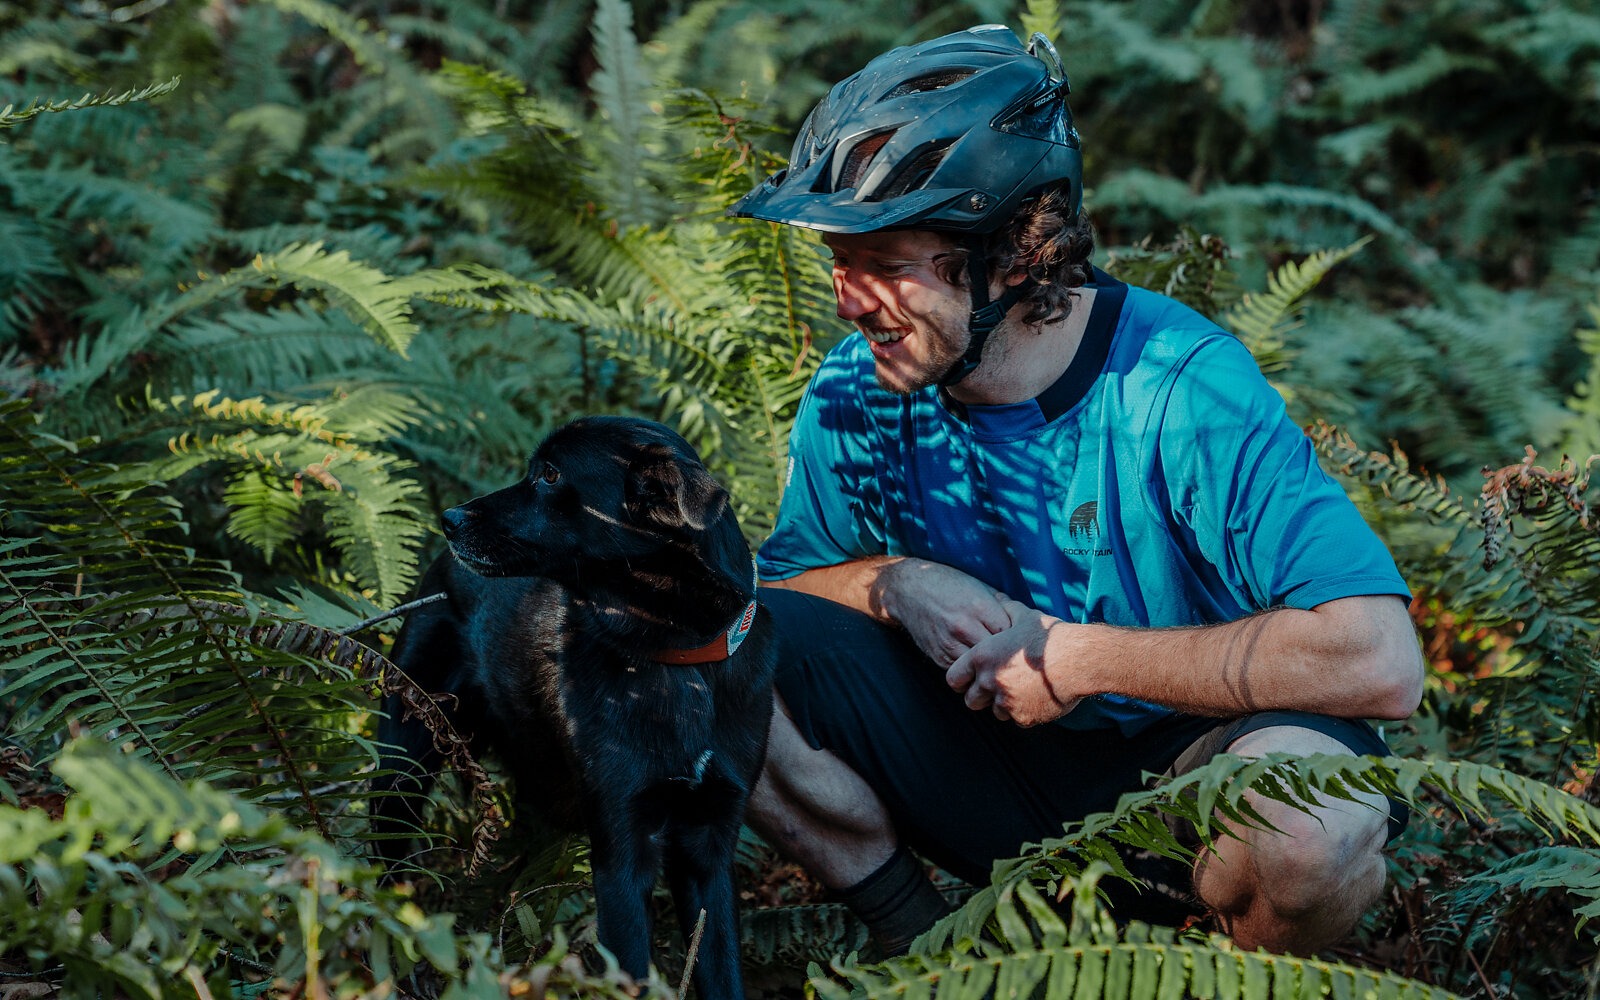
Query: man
[1080, 501]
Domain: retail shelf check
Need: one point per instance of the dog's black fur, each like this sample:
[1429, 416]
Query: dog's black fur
[616, 544]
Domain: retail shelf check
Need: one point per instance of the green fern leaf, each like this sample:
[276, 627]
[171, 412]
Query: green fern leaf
[1042, 16]
[130, 636]
[1569, 869]
[1261, 321]
[1582, 435]
[620, 91]
[150, 888]
[371, 298]
[12, 116]
[290, 459]
[1433, 64]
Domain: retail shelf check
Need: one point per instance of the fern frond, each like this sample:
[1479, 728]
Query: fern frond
[29, 264]
[1261, 321]
[1573, 870]
[11, 116]
[367, 294]
[792, 936]
[282, 349]
[1043, 16]
[125, 891]
[1086, 957]
[1175, 200]
[176, 222]
[120, 625]
[1193, 269]
[621, 94]
[403, 89]
[1581, 437]
[468, 41]
[286, 459]
[1136, 46]
[1427, 68]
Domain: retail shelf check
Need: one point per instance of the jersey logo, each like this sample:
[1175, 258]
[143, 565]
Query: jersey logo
[1084, 520]
[1084, 532]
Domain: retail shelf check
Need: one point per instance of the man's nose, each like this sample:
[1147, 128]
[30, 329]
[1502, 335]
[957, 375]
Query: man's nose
[854, 294]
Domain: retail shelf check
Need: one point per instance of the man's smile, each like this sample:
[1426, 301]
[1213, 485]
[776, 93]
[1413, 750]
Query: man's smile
[884, 336]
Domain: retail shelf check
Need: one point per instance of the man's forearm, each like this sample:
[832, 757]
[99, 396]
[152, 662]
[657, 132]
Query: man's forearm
[942, 609]
[1354, 657]
[860, 584]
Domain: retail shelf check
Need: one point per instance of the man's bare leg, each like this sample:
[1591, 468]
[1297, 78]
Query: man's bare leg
[819, 813]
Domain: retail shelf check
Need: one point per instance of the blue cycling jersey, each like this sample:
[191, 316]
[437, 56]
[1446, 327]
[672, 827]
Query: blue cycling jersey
[1159, 482]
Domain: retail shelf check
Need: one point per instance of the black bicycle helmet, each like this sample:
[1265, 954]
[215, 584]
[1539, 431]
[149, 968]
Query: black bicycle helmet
[952, 134]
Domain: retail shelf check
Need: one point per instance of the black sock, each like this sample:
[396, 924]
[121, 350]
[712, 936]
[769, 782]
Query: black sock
[897, 902]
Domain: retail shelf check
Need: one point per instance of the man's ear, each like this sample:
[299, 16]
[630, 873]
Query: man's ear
[674, 494]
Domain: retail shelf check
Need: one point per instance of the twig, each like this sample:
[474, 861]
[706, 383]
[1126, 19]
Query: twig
[1488, 987]
[394, 613]
[694, 952]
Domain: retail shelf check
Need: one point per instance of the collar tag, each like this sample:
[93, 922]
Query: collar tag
[724, 645]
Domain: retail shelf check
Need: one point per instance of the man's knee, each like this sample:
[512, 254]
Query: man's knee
[1308, 872]
[1311, 857]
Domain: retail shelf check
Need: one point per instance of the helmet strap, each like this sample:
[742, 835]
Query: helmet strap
[986, 315]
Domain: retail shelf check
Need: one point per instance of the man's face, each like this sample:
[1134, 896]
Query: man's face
[889, 285]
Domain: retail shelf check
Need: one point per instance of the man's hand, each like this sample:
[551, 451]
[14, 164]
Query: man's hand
[1008, 674]
[945, 611]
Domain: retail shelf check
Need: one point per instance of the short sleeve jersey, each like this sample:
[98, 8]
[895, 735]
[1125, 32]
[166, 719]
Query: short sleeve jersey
[1159, 482]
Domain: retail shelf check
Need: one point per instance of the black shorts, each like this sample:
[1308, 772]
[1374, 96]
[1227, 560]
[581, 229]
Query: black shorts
[963, 788]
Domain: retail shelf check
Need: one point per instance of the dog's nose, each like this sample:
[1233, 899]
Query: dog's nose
[453, 520]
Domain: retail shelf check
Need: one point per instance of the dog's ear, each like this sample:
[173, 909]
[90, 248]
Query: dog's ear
[674, 493]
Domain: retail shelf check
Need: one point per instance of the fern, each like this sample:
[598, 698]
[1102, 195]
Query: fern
[1582, 434]
[1010, 921]
[1193, 269]
[28, 263]
[175, 224]
[125, 894]
[379, 303]
[117, 627]
[1261, 321]
[794, 935]
[620, 92]
[1086, 957]
[1432, 65]
[1521, 560]
[402, 87]
[1573, 870]
[289, 460]
[692, 311]
[11, 116]
[1042, 16]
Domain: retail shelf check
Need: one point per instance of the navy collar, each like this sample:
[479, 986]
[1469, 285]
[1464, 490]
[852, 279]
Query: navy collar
[1086, 365]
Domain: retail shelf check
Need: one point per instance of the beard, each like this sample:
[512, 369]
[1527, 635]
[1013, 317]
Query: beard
[945, 349]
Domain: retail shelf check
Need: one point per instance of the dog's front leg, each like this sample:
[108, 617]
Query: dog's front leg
[699, 863]
[625, 859]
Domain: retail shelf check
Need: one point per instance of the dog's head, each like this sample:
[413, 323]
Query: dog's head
[601, 490]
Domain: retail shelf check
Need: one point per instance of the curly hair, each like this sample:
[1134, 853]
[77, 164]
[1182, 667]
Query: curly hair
[1043, 240]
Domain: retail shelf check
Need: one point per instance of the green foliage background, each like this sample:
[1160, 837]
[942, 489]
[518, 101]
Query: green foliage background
[281, 279]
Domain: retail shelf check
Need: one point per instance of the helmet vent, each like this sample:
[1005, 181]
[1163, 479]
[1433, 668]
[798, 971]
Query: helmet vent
[915, 174]
[927, 82]
[855, 165]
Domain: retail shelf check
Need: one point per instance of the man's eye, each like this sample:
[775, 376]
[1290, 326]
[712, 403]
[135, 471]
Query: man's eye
[550, 474]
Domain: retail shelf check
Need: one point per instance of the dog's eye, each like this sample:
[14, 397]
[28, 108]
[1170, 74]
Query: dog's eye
[551, 475]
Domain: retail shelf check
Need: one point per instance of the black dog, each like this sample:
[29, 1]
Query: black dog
[602, 635]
